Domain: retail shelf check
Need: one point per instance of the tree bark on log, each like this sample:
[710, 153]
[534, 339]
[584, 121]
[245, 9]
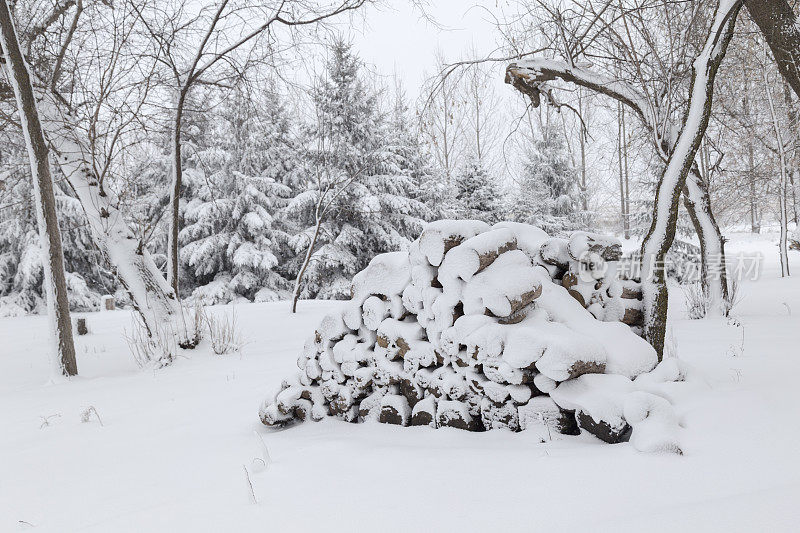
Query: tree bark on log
[46, 216]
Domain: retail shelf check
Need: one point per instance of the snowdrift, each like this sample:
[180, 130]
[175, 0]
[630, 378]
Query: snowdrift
[480, 327]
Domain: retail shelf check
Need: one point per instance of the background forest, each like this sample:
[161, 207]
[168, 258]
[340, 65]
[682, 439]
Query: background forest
[297, 156]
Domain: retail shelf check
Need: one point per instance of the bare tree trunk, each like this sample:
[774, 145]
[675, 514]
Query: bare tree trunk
[755, 219]
[714, 277]
[625, 228]
[782, 244]
[173, 271]
[477, 102]
[306, 261]
[665, 213]
[446, 140]
[582, 141]
[626, 203]
[794, 124]
[49, 234]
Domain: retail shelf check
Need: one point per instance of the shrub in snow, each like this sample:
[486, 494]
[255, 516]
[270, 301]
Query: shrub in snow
[191, 332]
[696, 301]
[480, 327]
[158, 347]
[224, 334]
[86, 415]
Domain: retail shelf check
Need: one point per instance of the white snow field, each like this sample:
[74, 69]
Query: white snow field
[176, 446]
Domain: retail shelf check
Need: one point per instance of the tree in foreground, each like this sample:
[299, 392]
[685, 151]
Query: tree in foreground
[679, 154]
[665, 214]
[49, 234]
[77, 153]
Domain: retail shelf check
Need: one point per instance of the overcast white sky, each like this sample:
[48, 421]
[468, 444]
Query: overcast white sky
[397, 39]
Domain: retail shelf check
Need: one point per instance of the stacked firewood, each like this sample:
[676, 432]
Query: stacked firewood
[475, 327]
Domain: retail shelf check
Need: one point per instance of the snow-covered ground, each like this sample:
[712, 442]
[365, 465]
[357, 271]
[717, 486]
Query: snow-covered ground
[176, 446]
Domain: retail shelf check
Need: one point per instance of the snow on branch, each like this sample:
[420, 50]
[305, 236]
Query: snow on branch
[531, 77]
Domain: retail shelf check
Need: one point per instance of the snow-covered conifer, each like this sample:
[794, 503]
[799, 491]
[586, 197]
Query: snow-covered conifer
[21, 270]
[546, 194]
[477, 194]
[354, 186]
[230, 241]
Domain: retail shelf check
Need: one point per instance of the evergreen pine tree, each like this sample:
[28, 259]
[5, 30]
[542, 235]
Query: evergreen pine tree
[477, 194]
[21, 269]
[547, 193]
[231, 242]
[412, 158]
[360, 169]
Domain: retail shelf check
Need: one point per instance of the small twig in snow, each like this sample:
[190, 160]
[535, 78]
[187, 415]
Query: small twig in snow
[46, 420]
[250, 484]
[546, 425]
[735, 351]
[87, 413]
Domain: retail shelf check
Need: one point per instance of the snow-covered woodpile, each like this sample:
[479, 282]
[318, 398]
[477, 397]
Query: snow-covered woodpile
[480, 327]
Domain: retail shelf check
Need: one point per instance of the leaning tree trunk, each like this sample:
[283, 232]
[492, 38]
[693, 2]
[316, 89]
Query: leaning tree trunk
[150, 294]
[49, 234]
[714, 277]
[531, 77]
[665, 212]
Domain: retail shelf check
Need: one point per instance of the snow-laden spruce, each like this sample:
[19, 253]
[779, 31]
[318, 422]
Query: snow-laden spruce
[481, 327]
